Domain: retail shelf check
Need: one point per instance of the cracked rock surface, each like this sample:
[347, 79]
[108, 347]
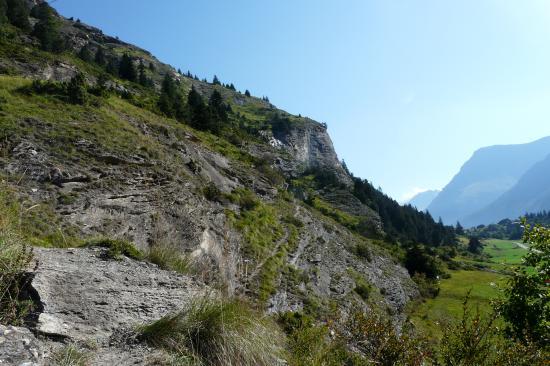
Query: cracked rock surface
[95, 303]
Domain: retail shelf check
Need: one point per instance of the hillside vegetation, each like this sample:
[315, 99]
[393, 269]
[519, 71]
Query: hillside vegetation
[168, 187]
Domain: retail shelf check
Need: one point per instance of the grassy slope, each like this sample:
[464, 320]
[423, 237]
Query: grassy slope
[504, 251]
[432, 314]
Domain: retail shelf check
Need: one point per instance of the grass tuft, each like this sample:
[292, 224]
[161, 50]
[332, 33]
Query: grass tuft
[70, 355]
[117, 248]
[212, 331]
[170, 258]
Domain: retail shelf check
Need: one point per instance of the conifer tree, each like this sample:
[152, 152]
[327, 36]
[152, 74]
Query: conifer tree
[127, 69]
[100, 57]
[216, 81]
[47, 29]
[217, 107]
[151, 67]
[18, 14]
[112, 67]
[247, 93]
[143, 80]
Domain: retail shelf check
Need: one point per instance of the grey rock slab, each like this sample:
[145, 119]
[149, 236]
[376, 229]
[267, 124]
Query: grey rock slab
[18, 346]
[84, 296]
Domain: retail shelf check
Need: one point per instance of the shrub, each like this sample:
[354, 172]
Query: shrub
[117, 248]
[377, 341]
[213, 331]
[212, 193]
[362, 250]
[428, 288]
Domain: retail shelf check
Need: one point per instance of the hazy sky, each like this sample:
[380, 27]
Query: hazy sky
[409, 89]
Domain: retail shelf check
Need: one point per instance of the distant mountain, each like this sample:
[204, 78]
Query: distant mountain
[530, 194]
[488, 174]
[423, 199]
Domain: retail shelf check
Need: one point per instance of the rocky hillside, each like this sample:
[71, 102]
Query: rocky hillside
[260, 209]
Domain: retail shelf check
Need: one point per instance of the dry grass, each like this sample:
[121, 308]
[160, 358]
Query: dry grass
[212, 331]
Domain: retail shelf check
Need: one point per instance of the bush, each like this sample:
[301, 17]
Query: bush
[362, 250]
[212, 331]
[212, 193]
[429, 288]
[117, 248]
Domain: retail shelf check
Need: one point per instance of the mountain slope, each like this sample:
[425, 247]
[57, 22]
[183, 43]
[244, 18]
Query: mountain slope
[423, 199]
[489, 173]
[242, 196]
[530, 194]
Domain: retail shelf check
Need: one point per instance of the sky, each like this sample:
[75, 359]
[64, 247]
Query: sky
[409, 88]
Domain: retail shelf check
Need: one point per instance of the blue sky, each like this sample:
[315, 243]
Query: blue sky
[409, 89]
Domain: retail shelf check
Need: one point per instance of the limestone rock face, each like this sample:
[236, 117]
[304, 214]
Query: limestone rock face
[83, 295]
[93, 303]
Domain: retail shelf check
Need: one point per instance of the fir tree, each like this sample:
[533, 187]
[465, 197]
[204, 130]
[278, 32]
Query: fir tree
[76, 89]
[143, 80]
[18, 14]
[232, 87]
[85, 54]
[127, 69]
[247, 93]
[100, 57]
[112, 67]
[475, 246]
[217, 107]
[47, 29]
[170, 101]
[216, 81]
[151, 67]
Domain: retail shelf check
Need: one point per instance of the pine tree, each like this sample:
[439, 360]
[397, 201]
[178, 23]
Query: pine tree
[232, 87]
[217, 107]
[127, 69]
[100, 57]
[216, 81]
[85, 54]
[76, 89]
[143, 80]
[112, 67]
[18, 14]
[247, 93]
[152, 67]
[200, 114]
[47, 29]
[475, 246]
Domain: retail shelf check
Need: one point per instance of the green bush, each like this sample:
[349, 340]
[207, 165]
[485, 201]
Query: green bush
[213, 331]
[362, 250]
